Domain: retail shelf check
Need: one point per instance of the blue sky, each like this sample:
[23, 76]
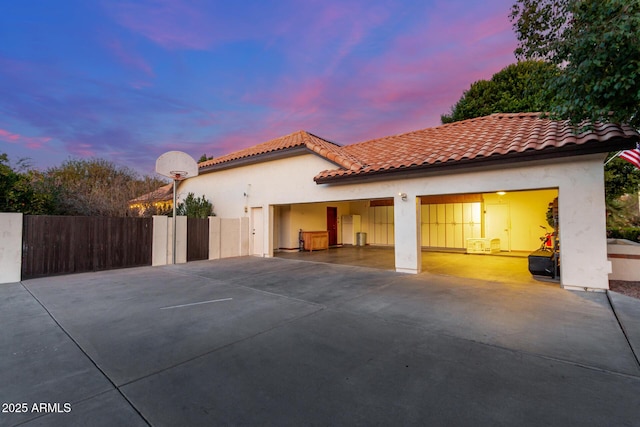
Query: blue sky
[130, 80]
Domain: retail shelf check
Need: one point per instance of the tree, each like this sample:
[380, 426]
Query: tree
[597, 45]
[522, 87]
[24, 190]
[517, 88]
[621, 178]
[97, 187]
[195, 207]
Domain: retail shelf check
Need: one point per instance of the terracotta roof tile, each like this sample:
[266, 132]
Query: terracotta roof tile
[475, 139]
[324, 148]
[490, 137]
[160, 194]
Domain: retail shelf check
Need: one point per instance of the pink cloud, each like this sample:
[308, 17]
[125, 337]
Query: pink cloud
[126, 57]
[418, 76]
[169, 23]
[31, 142]
[82, 149]
[342, 83]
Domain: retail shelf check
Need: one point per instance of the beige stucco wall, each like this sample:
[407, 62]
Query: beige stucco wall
[162, 247]
[10, 247]
[625, 259]
[580, 184]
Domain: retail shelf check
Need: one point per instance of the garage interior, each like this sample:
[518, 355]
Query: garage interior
[481, 235]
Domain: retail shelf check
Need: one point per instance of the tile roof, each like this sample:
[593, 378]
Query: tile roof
[300, 139]
[498, 136]
[501, 137]
[160, 194]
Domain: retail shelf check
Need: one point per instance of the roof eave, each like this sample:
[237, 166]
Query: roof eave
[264, 157]
[570, 150]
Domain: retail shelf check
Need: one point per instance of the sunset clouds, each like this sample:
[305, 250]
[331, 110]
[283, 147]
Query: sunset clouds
[129, 79]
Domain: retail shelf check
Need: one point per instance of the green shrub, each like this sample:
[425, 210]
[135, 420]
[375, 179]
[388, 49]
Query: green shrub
[628, 233]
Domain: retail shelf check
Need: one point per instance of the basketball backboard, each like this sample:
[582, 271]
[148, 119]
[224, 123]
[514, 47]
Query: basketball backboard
[176, 165]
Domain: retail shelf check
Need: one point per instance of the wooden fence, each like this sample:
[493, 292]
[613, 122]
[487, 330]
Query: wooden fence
[63, 245]
[197, 239]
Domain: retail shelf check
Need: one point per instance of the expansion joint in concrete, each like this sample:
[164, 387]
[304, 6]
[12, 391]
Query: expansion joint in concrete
[622, 328]
[104, 374]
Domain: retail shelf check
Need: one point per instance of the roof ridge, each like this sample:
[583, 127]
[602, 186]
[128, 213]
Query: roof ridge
[328, 149]
[335, 153]
[538, 114]
[460, 122]
[260, 148]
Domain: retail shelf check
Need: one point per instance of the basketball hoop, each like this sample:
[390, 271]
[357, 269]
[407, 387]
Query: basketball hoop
[179, 175]
[178, 166]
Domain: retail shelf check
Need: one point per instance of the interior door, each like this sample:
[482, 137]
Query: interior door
[498, 225]
[257, 235]
[332, 225]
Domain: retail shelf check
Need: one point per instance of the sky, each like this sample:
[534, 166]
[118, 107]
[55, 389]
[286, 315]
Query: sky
[127, 80]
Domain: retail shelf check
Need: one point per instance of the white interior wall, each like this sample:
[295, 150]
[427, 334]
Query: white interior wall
[528, 211]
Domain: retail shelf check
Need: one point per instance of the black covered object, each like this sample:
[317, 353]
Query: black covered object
[541, 263]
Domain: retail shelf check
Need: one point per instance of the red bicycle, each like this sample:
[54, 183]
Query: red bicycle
[547, 240]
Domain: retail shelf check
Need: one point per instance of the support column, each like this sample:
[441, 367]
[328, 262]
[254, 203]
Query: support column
[407, 233]
[583, 240]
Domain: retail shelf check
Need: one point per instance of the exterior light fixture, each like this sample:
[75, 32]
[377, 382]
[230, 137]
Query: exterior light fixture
[403, 196]
[501, 193]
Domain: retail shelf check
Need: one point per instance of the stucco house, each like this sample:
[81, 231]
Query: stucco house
[491, 178]
[160, 199]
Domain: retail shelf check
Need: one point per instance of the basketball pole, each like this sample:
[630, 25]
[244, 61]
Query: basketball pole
[177, 166]
[173, 252]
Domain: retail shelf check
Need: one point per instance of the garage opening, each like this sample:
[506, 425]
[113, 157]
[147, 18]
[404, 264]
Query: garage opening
[486, 235]
[488, 222]
[363, 232]
[478, 235]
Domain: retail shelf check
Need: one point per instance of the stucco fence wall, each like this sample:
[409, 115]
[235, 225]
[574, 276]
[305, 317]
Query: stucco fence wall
[625, 260]
[10, 247]
[228, 237]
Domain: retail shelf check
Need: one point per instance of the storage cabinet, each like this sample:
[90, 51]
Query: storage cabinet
[315, 240]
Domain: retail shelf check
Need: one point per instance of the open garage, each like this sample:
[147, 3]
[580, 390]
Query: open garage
[489, 179]
[502, 227]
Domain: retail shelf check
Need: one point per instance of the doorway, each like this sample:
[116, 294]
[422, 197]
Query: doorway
[498, 224]
[257, 236]
[332, 225]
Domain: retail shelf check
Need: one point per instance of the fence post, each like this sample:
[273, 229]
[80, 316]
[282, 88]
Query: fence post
[214, 237]
[244, 236]
[10, 247]
[181, 239]
[160, 243]
[162, 250]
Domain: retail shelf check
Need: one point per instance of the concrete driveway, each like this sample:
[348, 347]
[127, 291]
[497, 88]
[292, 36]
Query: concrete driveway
[249, 341]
